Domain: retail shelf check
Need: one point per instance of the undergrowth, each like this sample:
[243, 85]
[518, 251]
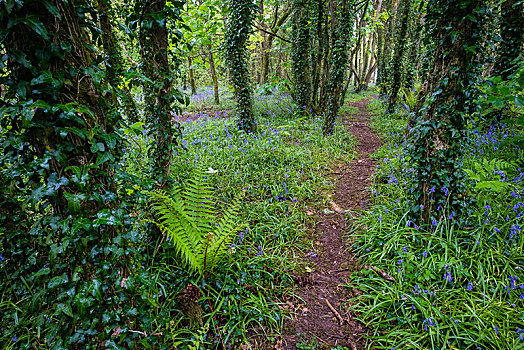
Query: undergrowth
[454, 288]
[280, 168]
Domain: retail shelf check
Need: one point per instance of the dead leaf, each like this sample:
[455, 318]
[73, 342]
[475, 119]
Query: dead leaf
[116, 332]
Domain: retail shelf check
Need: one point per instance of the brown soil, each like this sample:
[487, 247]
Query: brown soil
[323, 289]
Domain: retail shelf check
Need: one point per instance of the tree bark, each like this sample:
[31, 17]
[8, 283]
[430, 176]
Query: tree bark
[437, 147]
[512, 39]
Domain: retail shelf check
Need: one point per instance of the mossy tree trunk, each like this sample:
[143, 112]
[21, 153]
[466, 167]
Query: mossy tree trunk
[396, 63]
[341, 28]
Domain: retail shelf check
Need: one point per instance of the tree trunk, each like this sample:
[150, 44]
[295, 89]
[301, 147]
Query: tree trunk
[237, 34]
[299, 55]
[191, 75]
[339, 57]
[436, 149]
[114, 61]
[511, 32]
[214, 76]
[153, 47]
[399, 53]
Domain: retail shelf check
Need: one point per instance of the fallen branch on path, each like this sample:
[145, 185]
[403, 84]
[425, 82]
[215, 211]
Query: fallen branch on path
[340, 319]
[381, 273]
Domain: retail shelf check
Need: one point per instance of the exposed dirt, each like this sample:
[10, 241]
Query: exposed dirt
[321, 307]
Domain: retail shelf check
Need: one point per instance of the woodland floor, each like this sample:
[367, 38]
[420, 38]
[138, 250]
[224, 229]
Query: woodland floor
[320, 308]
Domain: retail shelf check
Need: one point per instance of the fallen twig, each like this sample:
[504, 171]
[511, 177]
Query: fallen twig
[381, 273]
[340, 319]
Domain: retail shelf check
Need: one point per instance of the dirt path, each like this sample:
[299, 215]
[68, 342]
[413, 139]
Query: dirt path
[322, 314]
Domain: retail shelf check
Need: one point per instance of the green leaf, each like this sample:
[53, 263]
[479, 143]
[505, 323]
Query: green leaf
[73, 202]
[57, 281]
[66, 309]
[101, 158]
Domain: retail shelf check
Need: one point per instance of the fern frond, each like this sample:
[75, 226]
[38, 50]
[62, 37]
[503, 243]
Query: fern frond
[199, 200]
[224, 234]
[174, 222]
[188, 218]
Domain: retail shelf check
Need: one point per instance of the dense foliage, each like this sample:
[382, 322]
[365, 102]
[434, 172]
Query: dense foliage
[162, 163]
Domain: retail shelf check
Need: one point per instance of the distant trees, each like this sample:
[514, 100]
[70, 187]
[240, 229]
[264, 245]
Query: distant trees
[321, 37]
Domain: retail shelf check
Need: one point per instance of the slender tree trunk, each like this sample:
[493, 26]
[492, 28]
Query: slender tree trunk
[214, 75]
[237, 34]
[341, 32]
[300, 53]
[114, 61]
[511, 32]
[191, 75]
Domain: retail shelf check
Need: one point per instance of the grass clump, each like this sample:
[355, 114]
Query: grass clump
[454, 288]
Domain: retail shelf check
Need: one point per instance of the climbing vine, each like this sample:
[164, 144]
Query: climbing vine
[66, 242]
[240, 17]
[436, 149]
[300, 54]
[339, 58]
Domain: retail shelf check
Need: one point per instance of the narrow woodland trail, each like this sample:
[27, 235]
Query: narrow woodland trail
[321, 309]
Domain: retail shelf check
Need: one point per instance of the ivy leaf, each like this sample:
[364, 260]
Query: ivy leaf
[32, 22]
[80, 224]
[73, 202]
[65, 308]
[101, 158]
[52, 9]
[44, 271]
[57, 281]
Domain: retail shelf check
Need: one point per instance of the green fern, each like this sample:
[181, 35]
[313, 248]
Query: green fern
[483, 172]
[189, 218]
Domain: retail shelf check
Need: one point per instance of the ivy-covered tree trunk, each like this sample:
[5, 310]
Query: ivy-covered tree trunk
[300, 54]
[512, 37]
[159, 88]
[238, 29]
[342, 25]
[436, 144]
[66, 253]
[383, 78]
[400, 45]
[113, 59]
[317, 52]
